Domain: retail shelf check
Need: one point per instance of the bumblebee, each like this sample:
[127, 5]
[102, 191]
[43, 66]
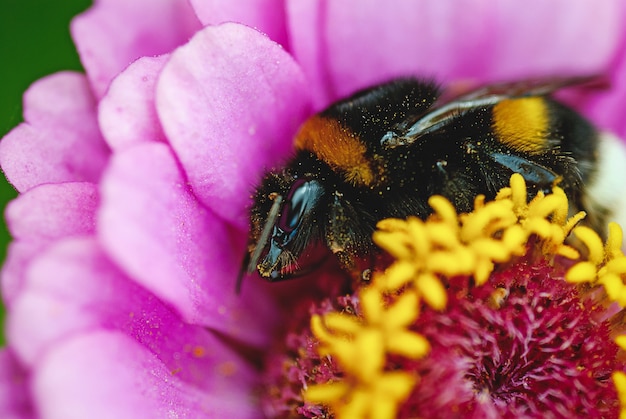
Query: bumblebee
[385, 150]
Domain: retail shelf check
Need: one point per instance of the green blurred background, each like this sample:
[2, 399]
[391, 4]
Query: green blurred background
[34, 41]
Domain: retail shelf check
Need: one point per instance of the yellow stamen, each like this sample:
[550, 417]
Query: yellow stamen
[621, 341]
[614, 242]
[593, 242]
[619, 379]
[432, 291]
[582, 272]
[447, 244]
[606, 264]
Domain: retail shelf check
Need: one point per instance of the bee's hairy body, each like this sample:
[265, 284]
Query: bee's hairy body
[384, 151]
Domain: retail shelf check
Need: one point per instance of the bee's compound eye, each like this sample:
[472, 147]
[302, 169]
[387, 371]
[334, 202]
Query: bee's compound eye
[301, 199]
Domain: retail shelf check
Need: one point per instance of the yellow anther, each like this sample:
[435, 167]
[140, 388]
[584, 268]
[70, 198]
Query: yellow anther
[444, 209]
[573, 221]
[621, 341]
[518, 194]
[593, 242]
[432, 291]
[326, 393]
[410, 345]
[403, 311]
[418, 233]
[619, 379]
[568, 252]
[396, 276]
[614, 241]
[480, 223]
[393, 243]
[582, 272]
[461, 261]
[483, 270]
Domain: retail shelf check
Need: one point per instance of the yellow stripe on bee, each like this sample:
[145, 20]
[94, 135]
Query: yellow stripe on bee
[522, 124]
[338, 147]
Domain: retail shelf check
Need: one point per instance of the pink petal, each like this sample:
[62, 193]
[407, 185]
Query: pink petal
[267, 16]
[127, 113]
[60, 140]
[350, 44]
[107, 374]
[306, 20]
[19, 256]
[89, 294]
[40, 216]
[153, 226]
[114, 33]
[607, 108]
[553, 38]
[53, 211]
[15, 400]
[230, 102]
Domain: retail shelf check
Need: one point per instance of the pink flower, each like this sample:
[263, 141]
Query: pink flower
[136, 176]
[538, 350]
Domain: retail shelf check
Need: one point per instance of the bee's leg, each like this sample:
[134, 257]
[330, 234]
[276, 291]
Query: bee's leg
[339, 234]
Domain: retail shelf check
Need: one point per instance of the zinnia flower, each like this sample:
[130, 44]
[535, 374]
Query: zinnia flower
[527, 343]
[135, 178]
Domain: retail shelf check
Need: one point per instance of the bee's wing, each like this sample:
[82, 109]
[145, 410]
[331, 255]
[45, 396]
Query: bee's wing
[445, 111]
[450, 106]
[435, 120]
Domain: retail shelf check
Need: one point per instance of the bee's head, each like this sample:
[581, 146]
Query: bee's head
[283, 223]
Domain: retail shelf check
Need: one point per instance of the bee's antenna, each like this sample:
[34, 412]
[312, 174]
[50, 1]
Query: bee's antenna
[252, 261]
[265, 234]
